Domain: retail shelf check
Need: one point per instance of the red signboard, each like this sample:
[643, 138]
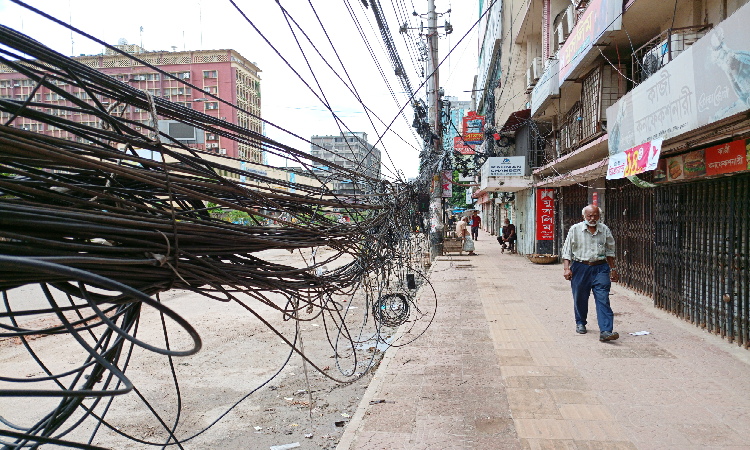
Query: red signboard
[473, 128]
[726, 158]
[460, 146]
[545, 213]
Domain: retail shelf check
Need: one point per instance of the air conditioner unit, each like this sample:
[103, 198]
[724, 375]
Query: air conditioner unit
[569, 19]
[534, 72]
[561, 33]
[214, 145]
[613, 87]
[223, 151]
[16, 85]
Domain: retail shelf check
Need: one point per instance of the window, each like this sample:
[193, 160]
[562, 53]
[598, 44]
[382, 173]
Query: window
[209, 74]
[28, 83]
[152, 77]
[139, 78]
[183, 75]
[212, 105]
[211, 89]
[4, 83]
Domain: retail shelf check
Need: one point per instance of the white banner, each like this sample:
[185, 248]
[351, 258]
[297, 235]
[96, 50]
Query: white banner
[702, 85]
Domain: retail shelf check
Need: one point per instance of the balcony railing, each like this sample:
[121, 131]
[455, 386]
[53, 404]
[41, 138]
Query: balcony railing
[586, 120]
[663, 48]
[570, 129]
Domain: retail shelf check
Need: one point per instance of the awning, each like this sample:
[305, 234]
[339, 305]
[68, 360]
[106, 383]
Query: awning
[516, 120]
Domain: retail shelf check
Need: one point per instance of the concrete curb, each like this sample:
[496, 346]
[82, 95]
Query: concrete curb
[352, 431]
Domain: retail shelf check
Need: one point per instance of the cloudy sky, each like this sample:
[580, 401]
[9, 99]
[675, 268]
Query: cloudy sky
[287, 101]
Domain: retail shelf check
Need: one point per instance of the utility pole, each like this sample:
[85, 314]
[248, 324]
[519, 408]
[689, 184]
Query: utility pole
[433, 116]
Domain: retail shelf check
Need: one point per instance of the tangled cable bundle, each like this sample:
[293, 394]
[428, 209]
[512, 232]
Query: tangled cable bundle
[92, 222]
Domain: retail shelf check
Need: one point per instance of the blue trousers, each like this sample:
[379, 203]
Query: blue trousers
[587, 279]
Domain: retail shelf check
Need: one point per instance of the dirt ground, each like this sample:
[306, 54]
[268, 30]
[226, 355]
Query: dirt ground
[239, 353]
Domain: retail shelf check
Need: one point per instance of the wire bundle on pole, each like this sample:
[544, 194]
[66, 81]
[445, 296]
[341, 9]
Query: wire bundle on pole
[91, 221]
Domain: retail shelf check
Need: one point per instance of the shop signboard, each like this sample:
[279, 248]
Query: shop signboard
[700, 86]
[469, 199]
[633, 161]
[717, 160]
[447, 181]
[473, 128]
[545, 214]
[600, 16]
[504, 166]
[463, 148]
[726, 158]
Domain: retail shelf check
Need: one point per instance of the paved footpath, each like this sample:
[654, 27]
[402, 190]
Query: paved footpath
[502, 368]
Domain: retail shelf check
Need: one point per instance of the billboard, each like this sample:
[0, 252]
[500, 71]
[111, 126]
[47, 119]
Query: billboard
[473, 128]
[704, 84]
[461, 147]
[600, 16]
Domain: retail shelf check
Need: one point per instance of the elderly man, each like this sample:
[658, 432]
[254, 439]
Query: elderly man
[589, 264]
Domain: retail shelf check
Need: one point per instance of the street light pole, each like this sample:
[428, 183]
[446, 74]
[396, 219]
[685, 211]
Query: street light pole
[433, 116]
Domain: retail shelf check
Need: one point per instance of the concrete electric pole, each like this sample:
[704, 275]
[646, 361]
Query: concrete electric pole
[433, 117]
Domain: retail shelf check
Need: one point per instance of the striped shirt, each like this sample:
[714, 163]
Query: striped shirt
[581, 245]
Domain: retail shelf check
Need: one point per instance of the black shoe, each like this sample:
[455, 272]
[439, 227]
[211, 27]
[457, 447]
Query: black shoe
[581, 328]
[608, 336]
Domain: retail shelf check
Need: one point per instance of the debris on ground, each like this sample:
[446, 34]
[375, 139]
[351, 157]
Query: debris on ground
[285, 446]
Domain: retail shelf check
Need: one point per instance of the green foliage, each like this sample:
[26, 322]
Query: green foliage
[459, 193]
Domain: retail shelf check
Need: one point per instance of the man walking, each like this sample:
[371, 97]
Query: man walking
[590, 247]
[475, 221]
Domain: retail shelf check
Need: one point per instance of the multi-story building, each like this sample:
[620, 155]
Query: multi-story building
[224, 73]
[453, 125]
[641, 108]
[349, 150]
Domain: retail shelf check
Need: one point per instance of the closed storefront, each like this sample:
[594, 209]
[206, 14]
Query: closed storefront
[702, 254]
[630, 216]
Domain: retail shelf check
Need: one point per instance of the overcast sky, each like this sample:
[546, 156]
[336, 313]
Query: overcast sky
[287, 102]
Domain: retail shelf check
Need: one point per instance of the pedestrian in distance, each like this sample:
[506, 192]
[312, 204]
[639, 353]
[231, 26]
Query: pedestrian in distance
[589, 264]
[463, 234]
[475, 221]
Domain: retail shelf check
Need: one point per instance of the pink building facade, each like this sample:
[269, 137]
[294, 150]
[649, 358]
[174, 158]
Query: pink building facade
[224, 73]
